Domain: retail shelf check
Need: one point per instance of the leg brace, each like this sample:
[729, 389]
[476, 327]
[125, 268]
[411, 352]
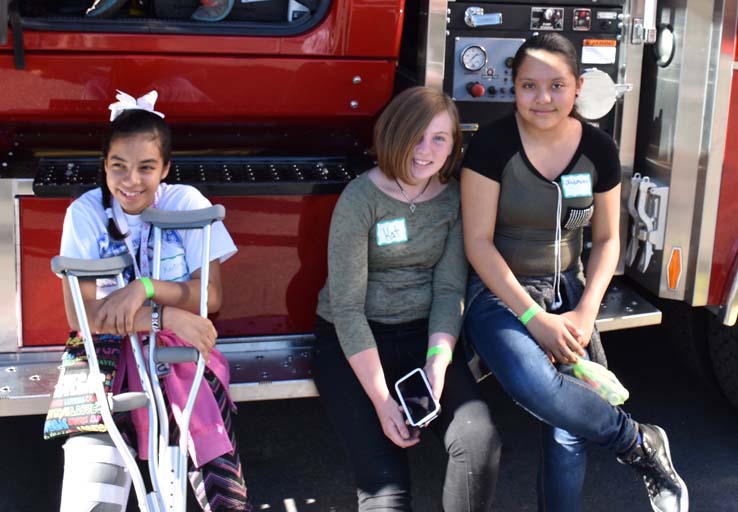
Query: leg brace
[95, 478]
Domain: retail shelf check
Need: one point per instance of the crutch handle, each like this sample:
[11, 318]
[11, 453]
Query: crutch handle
[105, 267]
[174, 355]
[189, 219]
[128, 401]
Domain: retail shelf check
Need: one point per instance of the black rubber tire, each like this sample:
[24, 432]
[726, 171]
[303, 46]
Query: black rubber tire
[723, 343]
[687, 330]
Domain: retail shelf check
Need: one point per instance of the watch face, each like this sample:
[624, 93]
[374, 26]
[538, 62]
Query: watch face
[473, 57]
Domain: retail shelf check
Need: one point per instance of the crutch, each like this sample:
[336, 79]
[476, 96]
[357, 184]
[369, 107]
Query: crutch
[167, 464]
[172, 484]
[74, 269]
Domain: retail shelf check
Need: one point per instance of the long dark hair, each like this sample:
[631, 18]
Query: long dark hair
[129, 123]
[549, 42]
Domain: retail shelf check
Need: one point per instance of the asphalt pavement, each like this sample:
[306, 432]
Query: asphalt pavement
[294, 464]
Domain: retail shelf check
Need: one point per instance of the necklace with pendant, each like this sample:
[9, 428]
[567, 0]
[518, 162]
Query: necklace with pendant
[411, 202]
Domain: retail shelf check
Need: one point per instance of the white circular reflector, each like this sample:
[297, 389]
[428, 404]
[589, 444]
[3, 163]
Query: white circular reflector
[597, 96]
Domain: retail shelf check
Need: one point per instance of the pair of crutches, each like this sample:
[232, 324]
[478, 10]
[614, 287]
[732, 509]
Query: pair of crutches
[167, 463]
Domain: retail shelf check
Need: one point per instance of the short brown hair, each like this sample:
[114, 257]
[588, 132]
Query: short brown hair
[402, 124]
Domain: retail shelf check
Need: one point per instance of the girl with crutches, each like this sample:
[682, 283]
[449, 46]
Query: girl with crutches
[106, 222]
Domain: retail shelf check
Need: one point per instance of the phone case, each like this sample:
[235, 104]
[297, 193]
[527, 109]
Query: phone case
[432, 413]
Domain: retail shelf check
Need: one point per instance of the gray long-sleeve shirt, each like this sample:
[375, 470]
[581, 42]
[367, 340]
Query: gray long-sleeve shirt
[391, 265]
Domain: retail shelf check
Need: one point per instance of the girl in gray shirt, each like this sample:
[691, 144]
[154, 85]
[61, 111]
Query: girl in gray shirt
[393, 302]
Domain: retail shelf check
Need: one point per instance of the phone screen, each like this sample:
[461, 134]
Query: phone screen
[415, 395]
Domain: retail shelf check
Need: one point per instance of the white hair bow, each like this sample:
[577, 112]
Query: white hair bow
[128, 102]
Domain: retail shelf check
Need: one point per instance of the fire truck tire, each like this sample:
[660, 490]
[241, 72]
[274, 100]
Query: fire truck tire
[723, 343]
[686, 329]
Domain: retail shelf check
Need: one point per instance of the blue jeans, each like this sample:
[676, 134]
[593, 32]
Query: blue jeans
[571, 412]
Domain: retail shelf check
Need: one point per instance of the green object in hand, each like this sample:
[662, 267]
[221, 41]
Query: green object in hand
[602, 380]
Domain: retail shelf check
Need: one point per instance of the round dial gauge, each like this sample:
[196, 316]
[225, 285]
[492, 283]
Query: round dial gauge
[474, 57]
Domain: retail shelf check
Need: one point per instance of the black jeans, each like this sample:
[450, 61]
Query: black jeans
[380, 467]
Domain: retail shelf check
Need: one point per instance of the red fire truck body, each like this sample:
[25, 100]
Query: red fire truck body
[272, 119]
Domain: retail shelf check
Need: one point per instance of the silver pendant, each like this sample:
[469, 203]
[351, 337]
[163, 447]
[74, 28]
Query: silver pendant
[412, 208]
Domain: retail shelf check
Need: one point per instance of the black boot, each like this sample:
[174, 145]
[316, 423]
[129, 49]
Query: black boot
[652, 460]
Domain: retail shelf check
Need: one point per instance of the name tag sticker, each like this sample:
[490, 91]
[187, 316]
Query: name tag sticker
[576, 185]
[391, 232]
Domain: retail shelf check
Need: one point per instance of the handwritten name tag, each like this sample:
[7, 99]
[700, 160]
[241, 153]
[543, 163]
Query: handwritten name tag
[576, 185]
[391, 232]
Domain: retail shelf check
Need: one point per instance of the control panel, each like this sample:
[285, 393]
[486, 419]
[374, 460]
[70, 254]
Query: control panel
[581, 19]
[483, 36]
[547, 18]
[482, 68]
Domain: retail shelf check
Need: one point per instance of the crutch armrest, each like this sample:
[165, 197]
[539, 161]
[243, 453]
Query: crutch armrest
[173, 355]
[187, 219]
[104, 267]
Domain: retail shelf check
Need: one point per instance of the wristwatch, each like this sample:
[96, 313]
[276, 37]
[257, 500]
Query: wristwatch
[155, 317]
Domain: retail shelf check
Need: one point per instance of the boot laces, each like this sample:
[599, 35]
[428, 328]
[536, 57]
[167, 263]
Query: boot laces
[657, 477]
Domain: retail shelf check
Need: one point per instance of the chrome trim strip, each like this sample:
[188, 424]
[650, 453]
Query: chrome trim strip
[433, 41]
[729, 314]
[716, 117]
[249, 392]
[253, 341]
[10, 319]
[629, 322]
[630, 64]
[623, 308]
[253, 391]
[25, 406]
[688, 167]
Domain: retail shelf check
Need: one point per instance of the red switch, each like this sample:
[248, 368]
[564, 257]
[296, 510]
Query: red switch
[475, 89]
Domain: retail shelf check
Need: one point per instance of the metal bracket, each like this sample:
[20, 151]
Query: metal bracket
[647, 207]
[476, 17]
[636, 30]
[621, 89]
[649, 21]
[643, 29]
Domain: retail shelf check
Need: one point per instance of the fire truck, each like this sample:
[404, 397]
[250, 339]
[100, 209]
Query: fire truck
[272, 110]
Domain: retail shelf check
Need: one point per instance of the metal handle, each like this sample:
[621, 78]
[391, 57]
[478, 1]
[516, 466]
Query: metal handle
[476, 17]
[172, 355]
[106, 267]
[128, 401]
[649, 21]
[190, 219]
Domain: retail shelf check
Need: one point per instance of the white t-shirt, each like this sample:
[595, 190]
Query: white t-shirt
[85, 235]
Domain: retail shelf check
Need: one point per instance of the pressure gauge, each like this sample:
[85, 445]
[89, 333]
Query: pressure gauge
[473, 57]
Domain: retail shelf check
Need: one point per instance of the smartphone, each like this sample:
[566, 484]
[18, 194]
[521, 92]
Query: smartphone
[416, 398]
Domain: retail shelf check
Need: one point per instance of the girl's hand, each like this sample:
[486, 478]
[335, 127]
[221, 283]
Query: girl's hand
[118, 310]
[584, 323]
[554, 334]
[435, 370]
[191, 328]
[393, 424]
